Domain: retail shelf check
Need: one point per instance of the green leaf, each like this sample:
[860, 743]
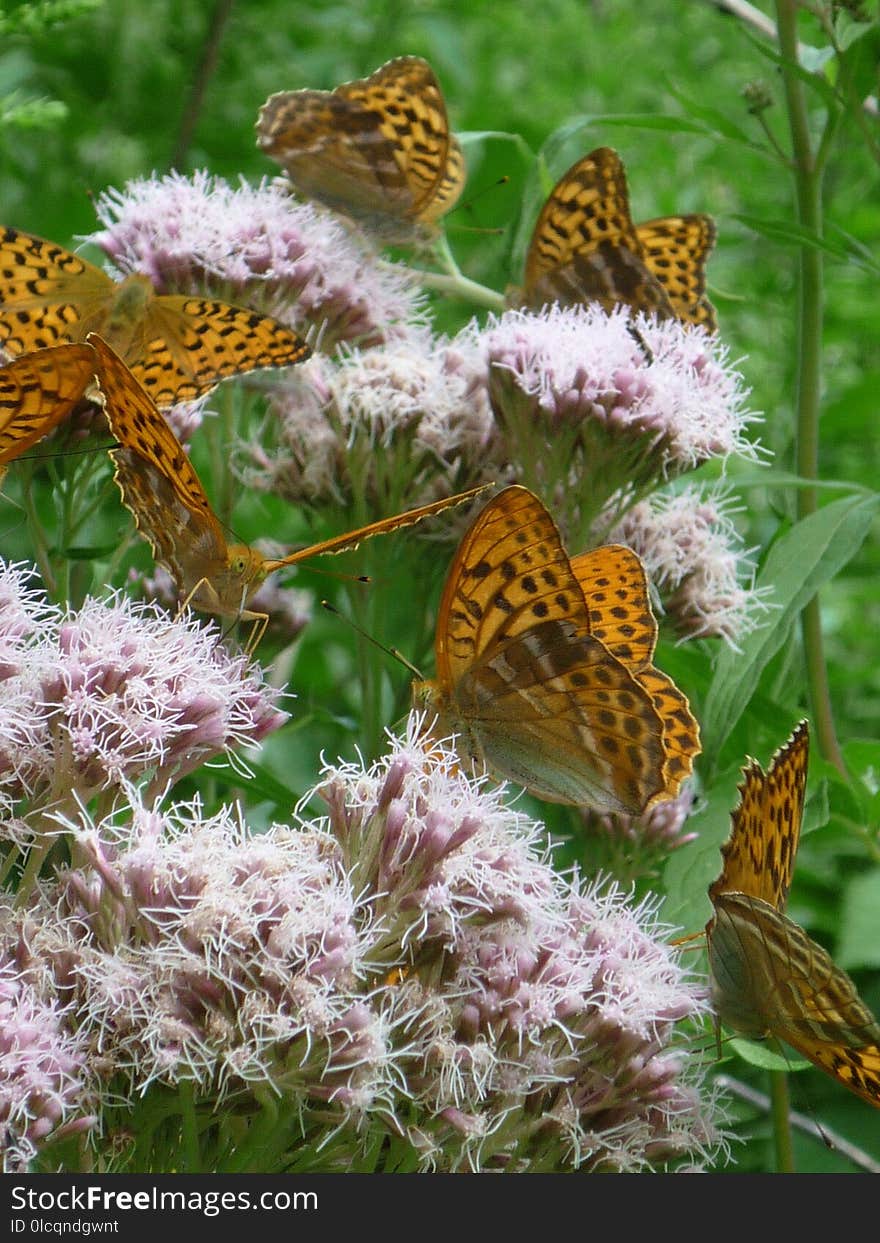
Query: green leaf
[859, 61]
[787, 233]
[715, 120]
[848, 30]
[862, 756]
[763, 1056]
[797, 565]
[477, 137]
[814, 59]
[89, 552]
[817, 810]
[260, 782]
[859, 944]
[816, 82]
[769, 478]
[646, 120]
[690, 871]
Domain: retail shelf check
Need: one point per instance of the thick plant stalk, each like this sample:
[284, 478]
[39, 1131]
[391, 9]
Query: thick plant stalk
[781, 1110]
[808, 170]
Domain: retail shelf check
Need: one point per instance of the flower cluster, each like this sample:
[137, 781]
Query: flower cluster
[258, 246]
[382, 428]
[632, 847]
[43, 1067]
[110, 693]
[594, 405]
[409, 966]
[694, 556]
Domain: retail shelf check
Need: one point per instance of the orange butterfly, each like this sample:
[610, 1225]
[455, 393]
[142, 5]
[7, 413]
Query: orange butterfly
[585, 248]
[768, 976]
[38, 391]
[540, 678]
[377, 149]
[178, 347]
[161, 488]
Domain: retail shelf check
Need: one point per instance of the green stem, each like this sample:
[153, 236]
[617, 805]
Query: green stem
[222, 440]
[38, 854]
[37, 533]
[454, 282]
[781, 1110]
[461, 286]
[189, 1127]
[808, 192]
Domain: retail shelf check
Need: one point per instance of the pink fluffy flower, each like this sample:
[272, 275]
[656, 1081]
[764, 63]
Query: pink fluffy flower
[590, 409]
[257, 246]
[376, 429]
[43, 1069]
[694, 556]
[114, 692]
[408, 966]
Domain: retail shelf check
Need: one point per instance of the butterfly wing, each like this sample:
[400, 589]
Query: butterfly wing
[38, 391]
[554, 711]
[157, 481]
[615, 587]
[188, 345]
[405, 97]
[759, 854]
[533, 694]
[585, 247]
[675, 249]
[378, 149]
[769, 977]
[48, 295]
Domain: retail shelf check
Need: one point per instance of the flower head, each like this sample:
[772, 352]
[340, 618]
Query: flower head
[694, 556]
[630, 847]
[43, 1068]
[612, 402]
[400, 425]
[254, 244]
[409, 963]
[115, 692]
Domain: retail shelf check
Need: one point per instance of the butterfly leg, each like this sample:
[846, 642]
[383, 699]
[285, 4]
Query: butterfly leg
[261, 621]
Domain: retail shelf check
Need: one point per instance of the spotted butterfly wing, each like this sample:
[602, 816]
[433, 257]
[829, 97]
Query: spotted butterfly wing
[160, 487]
[38, 391]
[768, 976]
[759, 854]
[530, 693]
[586, 248]
[675, 250]
[615, 589]
[377, 149]
[172, 511]
[178, 347]
[771, 978]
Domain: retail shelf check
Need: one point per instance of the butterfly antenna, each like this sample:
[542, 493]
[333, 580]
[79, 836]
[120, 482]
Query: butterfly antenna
[337, 574]
[389, 651]
[779, 1081]
[65, 453]
[468, 206]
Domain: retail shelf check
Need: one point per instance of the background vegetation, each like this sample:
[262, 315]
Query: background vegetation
[115, 90]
